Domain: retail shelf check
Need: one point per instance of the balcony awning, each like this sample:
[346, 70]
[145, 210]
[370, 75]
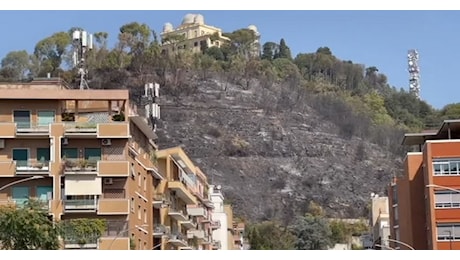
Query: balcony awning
[82, 185]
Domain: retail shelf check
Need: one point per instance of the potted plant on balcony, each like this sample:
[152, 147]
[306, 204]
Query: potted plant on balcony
[118, 117]
[38, 165]
[83, 230]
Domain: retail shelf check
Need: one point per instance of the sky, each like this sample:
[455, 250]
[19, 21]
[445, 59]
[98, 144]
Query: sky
[373, 38]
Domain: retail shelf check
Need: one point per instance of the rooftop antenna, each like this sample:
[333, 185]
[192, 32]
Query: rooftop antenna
[414, 73]
[82, 42]
[152, 108]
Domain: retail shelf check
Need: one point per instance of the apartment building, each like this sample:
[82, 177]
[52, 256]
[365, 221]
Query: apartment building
[84, 154]
[182, 215]
[380, 222]
[425, 199]
[238, 236]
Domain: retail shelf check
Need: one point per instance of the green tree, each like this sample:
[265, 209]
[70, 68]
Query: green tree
[284, 51]
[27, 228]
[18, 63]
[312, 233]
[268, 50]
[269, 235]
[50, 52]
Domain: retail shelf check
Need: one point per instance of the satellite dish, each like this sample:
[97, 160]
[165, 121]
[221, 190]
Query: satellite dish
[372, 195]
[219, 187]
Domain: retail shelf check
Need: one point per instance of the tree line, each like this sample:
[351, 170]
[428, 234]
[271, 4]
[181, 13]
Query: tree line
[376, 110]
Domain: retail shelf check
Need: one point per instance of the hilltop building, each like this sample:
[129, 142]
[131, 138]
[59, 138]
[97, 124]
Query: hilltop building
[193, 34]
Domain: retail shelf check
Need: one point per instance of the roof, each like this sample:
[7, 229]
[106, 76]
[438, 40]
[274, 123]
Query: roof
[441, 133]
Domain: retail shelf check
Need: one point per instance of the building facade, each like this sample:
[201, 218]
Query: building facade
[425, 199]
[380, 222]
[69, 149]
[88, 155]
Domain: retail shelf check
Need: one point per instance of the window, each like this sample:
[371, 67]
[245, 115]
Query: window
[447, 231]
[446, 167]
[70, 153]
[145, 184]
[139, 179]
[20, 195]
[22, 118]
[145, 216]
[139, 213]
[21, 156]
[131, 170]
[446, 199]
[132, 205]
[43, 155]
[43, 191]
[93, 154]
[45, 118]
[195, 44]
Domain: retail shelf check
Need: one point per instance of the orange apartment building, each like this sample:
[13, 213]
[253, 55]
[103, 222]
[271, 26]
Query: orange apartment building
[182, 215]
[85, 154]
[425, 200]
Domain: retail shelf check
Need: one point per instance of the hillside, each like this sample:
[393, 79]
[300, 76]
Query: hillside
[273, 155]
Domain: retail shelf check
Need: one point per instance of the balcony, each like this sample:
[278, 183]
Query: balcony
[88, 243]
[215, 224]
[199, 234]
[197, 211]
[177, 240]
[113, 206]
[182, 192]
[32, 167]
[160, 230]
[113, 130]
[97, 130]
[160, 201]
[7, 168]
[27, 129]
[101, 168]
[113, 168]
[177, 214]
[86, 205]
[189, 223]
[7, 130]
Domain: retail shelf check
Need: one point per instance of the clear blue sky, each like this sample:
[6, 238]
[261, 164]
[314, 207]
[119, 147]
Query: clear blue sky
[373, 38]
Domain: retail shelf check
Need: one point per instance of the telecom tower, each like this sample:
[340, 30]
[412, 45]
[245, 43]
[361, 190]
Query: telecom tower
[82, 42]
[152, 109]
[414, 73]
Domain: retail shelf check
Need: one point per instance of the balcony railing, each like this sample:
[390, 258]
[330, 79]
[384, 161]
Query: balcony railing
[80, 165]
[80, 205]
[31, 166]
[31, 128]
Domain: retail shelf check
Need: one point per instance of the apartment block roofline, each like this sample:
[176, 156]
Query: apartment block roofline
[445, 131]
[65, 94]
[177, 153]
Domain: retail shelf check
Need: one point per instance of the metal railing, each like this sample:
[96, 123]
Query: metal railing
[85, 204]
[114, 194]
[31, 165]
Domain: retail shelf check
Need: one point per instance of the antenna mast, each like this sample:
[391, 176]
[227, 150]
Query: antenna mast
[414, 73]
[82, 42]
[152, 108]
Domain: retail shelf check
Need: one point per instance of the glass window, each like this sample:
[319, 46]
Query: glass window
[45, 118]
[70, 153]
[93, 154]
[443, 232]
[22, 118]
[20, 195]
[21, 156]
[43, 154]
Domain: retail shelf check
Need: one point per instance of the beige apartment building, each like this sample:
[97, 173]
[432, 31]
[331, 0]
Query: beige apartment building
[84, 154]
[88, 154]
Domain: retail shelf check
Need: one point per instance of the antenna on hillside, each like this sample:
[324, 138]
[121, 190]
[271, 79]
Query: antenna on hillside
[152, 108]
[414, 73]
[82, 42]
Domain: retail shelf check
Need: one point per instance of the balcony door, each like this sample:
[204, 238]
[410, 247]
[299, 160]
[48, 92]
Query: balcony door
[21, 156]
[20, 195]
[42, 193]
[45, 118]
[22, 118]
[43, 155]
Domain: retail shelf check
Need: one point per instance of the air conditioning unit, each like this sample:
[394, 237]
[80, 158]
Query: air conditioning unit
[108, 181]
[65, 141]
[106, 141]
[2, 143]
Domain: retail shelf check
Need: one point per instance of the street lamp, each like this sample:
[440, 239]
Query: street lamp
[398, 242]
[20, 181]
[126, 230]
